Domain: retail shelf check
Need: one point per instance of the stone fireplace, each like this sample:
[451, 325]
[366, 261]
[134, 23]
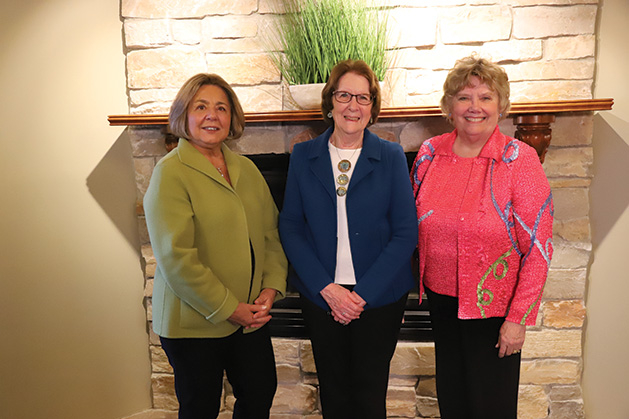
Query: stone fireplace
[547, 48]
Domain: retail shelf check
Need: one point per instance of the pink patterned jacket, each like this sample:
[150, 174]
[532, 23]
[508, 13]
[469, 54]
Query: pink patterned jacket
[504, 230]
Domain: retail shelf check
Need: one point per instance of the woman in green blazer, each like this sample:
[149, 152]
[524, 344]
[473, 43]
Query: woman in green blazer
[220, 265]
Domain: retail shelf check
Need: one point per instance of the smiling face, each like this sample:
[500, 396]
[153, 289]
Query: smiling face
[351, 118]
[475, 111]
[209, 118]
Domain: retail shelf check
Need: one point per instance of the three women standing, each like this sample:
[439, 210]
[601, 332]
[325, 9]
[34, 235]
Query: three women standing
[220, 265]
[349, 228]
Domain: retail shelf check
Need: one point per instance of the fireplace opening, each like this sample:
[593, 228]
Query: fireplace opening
[287, 319]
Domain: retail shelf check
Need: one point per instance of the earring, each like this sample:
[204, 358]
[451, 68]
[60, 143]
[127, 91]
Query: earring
[501, 115]
[371, 120]
[330, 114]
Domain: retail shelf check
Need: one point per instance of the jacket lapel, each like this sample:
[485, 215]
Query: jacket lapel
[370, 153]
[321, 165]
[191, 157]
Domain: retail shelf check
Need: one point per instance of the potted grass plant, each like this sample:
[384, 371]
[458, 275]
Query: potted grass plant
[311, 36]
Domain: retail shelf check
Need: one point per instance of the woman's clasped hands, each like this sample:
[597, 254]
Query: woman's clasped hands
[256, 314]
[346, 305]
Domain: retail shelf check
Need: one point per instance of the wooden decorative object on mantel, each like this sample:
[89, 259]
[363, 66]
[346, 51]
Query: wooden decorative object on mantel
[532, 119]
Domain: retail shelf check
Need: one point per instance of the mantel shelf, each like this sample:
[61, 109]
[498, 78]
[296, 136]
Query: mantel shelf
[524, 108]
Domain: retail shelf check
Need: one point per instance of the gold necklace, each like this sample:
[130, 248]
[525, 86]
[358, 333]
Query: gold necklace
[343, 166]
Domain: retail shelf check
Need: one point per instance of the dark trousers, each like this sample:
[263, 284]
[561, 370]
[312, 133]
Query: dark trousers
[198, 364]
[472, 382]
[353, 361]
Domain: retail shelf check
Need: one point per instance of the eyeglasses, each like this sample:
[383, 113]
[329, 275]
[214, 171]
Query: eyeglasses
[345, 97]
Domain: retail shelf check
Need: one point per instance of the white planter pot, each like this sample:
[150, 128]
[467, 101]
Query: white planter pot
[307, 96]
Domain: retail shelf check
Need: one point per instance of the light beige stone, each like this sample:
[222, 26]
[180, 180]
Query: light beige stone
[241, 45]
[552, 343]
[230, 26]
[427, 387]
[288, 374]
[429, 99]
[575, 162]
[550, 90]
[286, 350]
[570, 255]
[306, 357]
[163, 388]
[258, 141]
[186, 31]
[568, 182]
[154, 414]
[532, 402]
[425, 82]
[551, 70]
[148, 286]
[143, 171]
[475, 24]
[565, 393]
[579, 46]
[261, 98]
[428, 407]
[441, 57]
[512, 50]
[423, 22]
[243, 69]
[153, 108]
[159, 361]
[143, 230]
[402, 381]
[147, 253]
[563, 314]
[577, 230]
[292, 398]
[545, 21]
[548, 2]
[571, 203]
[413, 358]
[147, 141]
[147, 33]
[569, 409]
[572, 130]
[550, 371]
[185, 8]
[163, 67]
[565, 283]
[401, 402]
[143, 96]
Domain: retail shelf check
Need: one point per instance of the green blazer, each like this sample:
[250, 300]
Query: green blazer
[201, 229]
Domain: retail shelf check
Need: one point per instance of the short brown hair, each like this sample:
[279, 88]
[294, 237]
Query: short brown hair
[178, 116]
[340, 69]
[494, 76]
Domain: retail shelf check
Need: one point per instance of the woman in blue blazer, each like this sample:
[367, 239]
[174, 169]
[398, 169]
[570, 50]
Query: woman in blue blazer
[349, 227]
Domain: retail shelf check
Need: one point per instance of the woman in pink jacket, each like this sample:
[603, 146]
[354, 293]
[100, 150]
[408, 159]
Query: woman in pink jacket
[485, 243]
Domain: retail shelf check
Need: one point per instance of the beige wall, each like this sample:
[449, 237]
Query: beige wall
[606, 373]
[72, 325]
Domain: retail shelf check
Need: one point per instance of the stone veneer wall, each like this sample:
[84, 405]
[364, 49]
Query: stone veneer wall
[547, 47]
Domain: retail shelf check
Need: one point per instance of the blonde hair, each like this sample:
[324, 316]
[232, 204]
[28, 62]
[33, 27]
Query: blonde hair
[178, 116]
[494, 76]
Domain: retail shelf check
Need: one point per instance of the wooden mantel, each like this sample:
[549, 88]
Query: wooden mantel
[532, 119]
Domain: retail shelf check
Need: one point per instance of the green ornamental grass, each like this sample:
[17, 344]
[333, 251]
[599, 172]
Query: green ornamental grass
[313, 35]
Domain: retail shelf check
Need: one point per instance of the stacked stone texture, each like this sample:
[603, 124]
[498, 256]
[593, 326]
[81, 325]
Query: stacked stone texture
[547, 48]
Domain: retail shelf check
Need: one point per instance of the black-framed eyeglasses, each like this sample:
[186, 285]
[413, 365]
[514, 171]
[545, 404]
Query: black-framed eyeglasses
[345, 97]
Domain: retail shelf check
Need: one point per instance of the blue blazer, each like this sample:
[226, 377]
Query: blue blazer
[381, 213]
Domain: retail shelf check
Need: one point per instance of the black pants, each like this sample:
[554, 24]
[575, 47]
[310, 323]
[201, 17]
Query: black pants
[353, 361]
[198, 364]
[472, 382]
